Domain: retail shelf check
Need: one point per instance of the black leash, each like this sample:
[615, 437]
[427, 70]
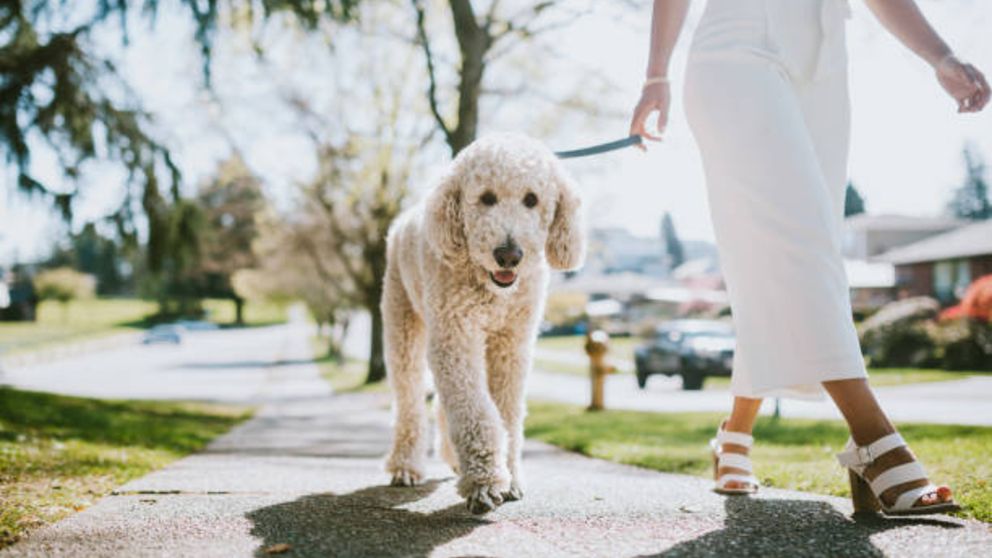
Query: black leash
[601, 148]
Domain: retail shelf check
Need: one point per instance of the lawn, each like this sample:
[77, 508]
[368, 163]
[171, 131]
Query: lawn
[60, 454]
[101, 317]
[83, 319]
[620, 347]
[345, 377]
[623, 348]
[789, 453]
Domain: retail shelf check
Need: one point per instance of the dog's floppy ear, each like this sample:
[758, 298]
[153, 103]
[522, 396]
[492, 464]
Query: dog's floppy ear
[565, 248]
[445, 227]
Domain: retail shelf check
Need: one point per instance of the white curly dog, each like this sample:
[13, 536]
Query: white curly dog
[465, 284]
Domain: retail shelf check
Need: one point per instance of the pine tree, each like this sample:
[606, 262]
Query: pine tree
[854, 202]
[971, 199]
[673, 246]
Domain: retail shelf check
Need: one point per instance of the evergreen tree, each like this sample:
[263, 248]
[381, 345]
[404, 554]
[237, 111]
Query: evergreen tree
[673, 246]
[854, 202]
[971, 199]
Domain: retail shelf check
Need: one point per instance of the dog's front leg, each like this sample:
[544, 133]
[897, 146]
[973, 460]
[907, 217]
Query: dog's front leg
[508, 359]
[456, 356]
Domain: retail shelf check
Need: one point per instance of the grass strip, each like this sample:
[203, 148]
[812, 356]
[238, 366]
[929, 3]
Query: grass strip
[796, 454]
[60, 454]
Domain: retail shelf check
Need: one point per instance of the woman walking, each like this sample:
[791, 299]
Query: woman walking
[766, 98]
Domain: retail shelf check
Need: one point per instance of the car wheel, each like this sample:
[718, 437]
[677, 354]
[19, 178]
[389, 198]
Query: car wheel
[692, 381]
[642, 380]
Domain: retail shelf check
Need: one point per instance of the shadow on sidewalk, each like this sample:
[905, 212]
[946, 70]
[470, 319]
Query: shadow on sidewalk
[367, 522]
[789, 528]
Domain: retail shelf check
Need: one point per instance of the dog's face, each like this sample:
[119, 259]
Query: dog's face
[505, 207]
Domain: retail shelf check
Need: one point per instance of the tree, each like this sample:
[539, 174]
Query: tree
[971, 199]
[64, 284]
[353, 201]
[673, 246]
[100, 255]
[480, 40]
[60, 93]
[230, 202]
[854, 202]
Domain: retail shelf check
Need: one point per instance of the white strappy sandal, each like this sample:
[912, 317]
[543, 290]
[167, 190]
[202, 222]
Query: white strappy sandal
[735, 460]
[865, 494]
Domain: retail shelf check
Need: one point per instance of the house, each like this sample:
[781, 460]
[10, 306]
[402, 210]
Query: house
[615, 250]
[867, 236]
[943, 265]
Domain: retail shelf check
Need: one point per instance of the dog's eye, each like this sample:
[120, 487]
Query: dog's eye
[488, 198]
[530, 200]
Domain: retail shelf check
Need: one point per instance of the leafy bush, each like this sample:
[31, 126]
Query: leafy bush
[64, 284]
[963, 344]
[898, 334]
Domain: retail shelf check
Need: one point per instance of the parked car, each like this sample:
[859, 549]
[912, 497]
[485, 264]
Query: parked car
[162, 334]
[693, 349]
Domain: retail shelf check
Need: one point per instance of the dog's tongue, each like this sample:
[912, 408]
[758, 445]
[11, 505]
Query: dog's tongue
[504, 276]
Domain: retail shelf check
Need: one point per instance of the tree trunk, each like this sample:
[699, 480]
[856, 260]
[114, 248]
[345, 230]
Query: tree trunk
[473, 43]
[377, 363]
[239, 311]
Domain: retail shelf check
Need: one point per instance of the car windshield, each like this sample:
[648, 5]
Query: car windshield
[677, 335]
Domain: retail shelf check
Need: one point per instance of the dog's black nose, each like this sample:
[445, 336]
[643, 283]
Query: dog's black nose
[508, 255]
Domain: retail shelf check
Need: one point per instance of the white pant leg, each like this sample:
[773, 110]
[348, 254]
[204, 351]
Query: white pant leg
[774, 213]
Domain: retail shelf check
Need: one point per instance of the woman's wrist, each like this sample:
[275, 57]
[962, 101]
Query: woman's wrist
[941, 56]
[655, 80]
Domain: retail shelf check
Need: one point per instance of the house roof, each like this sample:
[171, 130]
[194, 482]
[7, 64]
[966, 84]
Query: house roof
[968, 241]
[864, 221]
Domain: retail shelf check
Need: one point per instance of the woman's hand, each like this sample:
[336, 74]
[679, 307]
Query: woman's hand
[964, 82]
[654, 97]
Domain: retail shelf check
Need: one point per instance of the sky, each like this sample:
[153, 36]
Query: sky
[905, 150]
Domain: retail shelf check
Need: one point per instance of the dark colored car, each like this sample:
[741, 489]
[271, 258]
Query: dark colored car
[693, 349]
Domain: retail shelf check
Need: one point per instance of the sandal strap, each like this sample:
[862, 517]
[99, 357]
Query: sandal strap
[906, 500]
[907, 472]
[736, 438]
[749, 479]
[862, 456]
[735, 460]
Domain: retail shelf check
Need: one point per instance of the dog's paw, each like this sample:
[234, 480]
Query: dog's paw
[484, 499]
[514, 493]
[405, 477]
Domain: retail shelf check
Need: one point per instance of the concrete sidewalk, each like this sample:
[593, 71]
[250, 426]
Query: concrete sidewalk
[307, 473]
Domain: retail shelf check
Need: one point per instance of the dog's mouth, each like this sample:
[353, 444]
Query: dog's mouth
[503, 278]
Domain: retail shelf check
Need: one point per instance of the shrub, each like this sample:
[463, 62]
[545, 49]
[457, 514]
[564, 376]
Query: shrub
[898, 334]
[64, 284]
[963, 344]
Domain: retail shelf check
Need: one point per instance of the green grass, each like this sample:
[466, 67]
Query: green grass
[620, 347]
[78, 320]
[623, 348]
[344, 377]
[60, 454]
[256, 313]
[101, 317]
[790, 453]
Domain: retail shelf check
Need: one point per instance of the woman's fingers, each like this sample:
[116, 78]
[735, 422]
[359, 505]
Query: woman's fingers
[640, 118]
[662, 121]
[981, 97]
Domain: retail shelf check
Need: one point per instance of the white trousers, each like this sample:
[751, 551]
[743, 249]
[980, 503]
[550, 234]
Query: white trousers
[766, 98]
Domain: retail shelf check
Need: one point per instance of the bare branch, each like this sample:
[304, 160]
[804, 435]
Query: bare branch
[431, 71]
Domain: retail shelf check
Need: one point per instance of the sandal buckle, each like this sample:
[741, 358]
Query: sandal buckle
[865, 456]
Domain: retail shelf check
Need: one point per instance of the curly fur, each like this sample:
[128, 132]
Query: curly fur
[441, 307]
